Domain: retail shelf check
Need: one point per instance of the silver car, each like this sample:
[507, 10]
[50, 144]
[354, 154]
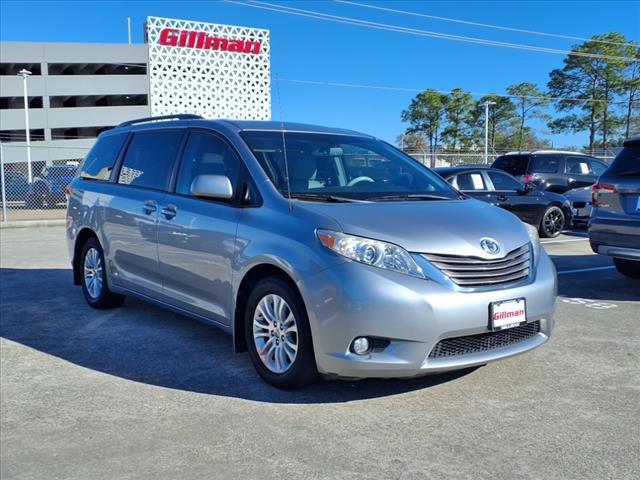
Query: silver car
[581, 206]
[324, 252]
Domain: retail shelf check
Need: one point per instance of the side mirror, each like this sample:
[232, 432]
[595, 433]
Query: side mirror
[212, 186]
[527, 188]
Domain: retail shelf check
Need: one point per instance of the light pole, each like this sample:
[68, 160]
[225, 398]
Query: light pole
[24, 74]
[486, 130]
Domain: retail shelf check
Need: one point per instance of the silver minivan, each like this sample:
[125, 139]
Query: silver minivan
[324, 252]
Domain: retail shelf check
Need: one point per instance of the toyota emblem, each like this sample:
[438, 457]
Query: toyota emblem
[490, 246]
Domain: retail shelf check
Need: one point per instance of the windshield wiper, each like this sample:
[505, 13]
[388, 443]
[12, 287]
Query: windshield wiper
[321, 197]
[411, 196]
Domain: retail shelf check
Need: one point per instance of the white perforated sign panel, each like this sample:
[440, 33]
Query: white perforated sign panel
[217, 71]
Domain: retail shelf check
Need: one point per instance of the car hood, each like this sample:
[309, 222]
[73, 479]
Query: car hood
[453, 227]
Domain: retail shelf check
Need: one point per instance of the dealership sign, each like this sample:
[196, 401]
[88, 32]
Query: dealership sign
[198, 39]
[217, 71]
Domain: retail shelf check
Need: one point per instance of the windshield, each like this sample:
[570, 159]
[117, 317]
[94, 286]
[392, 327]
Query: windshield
[343, 167]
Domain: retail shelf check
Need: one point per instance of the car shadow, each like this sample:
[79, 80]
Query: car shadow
[40, 308]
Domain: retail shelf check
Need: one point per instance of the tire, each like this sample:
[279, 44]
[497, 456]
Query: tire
[628, 268]
[96, 292]
[281, 365]
[553, 222]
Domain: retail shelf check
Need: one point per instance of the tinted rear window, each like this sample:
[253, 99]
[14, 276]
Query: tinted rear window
[149, 159]
[545, 163]
[100, 160]
[513, 164]
[627, 162]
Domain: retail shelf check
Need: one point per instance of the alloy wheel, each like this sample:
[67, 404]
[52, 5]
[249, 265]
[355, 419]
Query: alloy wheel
[553, 222]
[275, 333]
[93, 273]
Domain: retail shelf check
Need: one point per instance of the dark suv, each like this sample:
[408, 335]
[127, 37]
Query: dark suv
[551, 170]
[614, 227]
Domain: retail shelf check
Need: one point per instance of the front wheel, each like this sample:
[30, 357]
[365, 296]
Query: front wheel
[628, 268]
[94, 278]
[278, 335]
[552, 223]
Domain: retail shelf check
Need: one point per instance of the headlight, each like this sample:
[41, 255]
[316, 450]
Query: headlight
[371, 252]
[535, 241]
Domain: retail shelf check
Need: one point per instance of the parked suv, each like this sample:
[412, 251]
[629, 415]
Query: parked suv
[322, 251]
[552, 170]
[614, 226]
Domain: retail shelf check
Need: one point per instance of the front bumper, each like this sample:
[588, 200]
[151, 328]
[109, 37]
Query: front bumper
[353, 300]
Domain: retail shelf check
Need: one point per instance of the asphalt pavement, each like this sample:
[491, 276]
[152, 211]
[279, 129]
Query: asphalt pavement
[140, 392]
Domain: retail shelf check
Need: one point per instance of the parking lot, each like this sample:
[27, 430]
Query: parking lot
[140, 392]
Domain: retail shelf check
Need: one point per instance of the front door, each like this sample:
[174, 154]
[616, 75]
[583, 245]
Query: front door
[196, 236]
[512, 196]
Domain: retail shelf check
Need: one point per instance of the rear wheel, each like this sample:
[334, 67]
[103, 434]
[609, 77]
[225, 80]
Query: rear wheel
[629, 268]
[94, 278]
[552, 223]
[278, 335]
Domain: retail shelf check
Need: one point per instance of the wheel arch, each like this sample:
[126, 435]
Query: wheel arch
[251, 278]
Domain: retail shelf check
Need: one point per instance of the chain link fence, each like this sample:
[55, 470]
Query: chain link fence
[38, 192]
[43, 198]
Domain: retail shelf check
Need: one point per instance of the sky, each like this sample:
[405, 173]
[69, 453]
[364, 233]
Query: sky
[314, 50]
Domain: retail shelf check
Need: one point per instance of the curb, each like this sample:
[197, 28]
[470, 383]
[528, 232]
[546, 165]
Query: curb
[33, 223]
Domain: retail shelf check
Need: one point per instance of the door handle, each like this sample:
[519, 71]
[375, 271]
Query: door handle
[502, 198]
[169, 211]
[149, 207]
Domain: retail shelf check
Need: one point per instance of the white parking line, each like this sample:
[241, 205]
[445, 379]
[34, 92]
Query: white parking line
[565, 241]
[593, 269]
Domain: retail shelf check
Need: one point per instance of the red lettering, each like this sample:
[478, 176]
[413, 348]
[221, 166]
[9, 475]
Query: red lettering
[199, 39]
[169, 36]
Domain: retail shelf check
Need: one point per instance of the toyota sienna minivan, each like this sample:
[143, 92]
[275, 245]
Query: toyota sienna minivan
[324, 252]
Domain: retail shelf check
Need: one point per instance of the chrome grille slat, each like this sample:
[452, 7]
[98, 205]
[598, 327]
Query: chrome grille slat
[490, 273]
[476, 260]
[478, 272]
[477, 267]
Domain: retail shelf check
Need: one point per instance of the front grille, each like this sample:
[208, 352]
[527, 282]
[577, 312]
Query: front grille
[484, 342]
[478, 272]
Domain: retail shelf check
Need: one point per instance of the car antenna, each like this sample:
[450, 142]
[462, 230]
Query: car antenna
[284, 142]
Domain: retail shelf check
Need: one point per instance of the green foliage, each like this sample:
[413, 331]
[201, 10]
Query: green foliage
[601, 96]
[591, 85]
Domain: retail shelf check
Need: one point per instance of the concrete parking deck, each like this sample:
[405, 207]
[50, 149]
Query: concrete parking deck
[140, 392]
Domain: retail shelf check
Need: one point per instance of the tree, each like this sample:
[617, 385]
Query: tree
[425, 115]
[632, 87]
[588, 86]
[458, 113]
[501, 116]
[528, 105]
[412, 142]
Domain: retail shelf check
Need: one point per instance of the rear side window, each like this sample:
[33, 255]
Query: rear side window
[102, 157]
[502, 181]
[598, 167]
[470, 181]
[577, 166]
[206, 154]
[149, 159]
[513, 164]
[627, 162]
[545, 163]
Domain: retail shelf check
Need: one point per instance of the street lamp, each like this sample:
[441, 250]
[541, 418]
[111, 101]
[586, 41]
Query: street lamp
[24, 73]
[486, 130]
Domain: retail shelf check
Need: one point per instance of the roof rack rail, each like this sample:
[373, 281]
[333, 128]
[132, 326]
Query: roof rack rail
[180, 116]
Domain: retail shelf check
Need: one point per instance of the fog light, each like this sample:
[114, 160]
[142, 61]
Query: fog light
[361, 346]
